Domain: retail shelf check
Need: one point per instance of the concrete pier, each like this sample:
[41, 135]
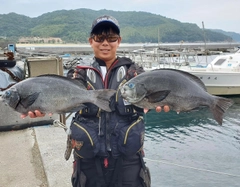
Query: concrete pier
[86, 49]
[34, 157]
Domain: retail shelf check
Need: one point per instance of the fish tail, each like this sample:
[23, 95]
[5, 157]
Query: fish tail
[219, 107]
[103, 98]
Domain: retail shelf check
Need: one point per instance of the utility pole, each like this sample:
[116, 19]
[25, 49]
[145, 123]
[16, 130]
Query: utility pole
[204, 35]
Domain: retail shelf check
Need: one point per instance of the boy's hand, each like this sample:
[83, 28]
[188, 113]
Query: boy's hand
[34, 114]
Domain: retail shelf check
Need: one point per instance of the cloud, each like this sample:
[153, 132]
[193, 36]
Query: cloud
[218, 14]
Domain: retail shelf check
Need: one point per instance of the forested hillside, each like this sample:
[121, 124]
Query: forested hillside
[233, 35]
[74, 26]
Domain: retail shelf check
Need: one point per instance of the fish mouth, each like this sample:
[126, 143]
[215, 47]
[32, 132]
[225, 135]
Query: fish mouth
[3, 100]
[123, 95]
[123, 92]
[127, 97]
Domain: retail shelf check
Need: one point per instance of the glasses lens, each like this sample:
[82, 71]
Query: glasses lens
[112, 38]
[100, 38]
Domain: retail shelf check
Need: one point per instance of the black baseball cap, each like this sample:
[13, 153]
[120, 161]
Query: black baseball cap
[105, 20]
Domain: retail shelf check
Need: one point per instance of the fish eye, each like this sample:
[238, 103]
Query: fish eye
[131, 85]
[7, 93]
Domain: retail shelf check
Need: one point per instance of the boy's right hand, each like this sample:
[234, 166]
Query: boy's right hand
[34, 114]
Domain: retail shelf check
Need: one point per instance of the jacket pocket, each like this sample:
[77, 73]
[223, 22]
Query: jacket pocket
[131, 137]
[84, 140]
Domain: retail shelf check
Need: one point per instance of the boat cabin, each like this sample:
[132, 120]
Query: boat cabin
[230, 62]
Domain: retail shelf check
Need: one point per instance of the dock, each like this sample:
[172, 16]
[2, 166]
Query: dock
[34, 157]
[85, 49]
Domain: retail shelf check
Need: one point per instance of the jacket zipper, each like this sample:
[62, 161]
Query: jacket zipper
[89, 137]
[129, 128]
[107, 125]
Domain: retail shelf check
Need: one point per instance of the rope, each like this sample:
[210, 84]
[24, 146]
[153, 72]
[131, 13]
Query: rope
[11, 74]
[189, 167]
[17, 79]
[57, 123]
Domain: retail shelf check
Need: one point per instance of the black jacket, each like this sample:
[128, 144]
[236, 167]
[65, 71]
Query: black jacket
[96, 132]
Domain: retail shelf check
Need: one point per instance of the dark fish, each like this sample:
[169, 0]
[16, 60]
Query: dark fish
[180, 90]
[54, 94]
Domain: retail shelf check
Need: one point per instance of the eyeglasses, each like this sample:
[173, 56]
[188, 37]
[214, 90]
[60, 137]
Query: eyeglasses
[100, 38]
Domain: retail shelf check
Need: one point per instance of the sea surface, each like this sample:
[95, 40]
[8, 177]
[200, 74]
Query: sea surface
[192, 150]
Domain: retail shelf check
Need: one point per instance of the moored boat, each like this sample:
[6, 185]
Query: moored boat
[221, 76]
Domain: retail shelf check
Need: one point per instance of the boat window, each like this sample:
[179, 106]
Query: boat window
[219, 62]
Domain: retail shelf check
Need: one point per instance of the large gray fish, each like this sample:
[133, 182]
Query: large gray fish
[54, 94]
[180, 90]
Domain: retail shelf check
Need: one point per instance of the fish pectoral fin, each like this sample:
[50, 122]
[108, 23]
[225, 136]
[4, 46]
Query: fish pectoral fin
[29, 100]
[158, 96]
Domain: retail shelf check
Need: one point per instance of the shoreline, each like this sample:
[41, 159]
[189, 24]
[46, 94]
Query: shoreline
[133, 46]
[199, 48]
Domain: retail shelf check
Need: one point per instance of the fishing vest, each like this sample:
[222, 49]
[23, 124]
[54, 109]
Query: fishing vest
[95, 132]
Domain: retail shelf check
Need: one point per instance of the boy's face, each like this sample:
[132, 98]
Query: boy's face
[105, 45]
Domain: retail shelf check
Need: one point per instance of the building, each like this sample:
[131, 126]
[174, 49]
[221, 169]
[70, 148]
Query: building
[30, 40]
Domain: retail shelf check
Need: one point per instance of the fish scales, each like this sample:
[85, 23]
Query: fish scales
[54, 94]
[180, 90]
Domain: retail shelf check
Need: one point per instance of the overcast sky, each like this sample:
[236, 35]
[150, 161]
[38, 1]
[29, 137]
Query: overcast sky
[216, 14]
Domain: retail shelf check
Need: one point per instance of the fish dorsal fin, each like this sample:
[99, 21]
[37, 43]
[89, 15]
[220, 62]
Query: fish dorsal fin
[78, 82]
[29, 100]
[190, 76]
[157, 96]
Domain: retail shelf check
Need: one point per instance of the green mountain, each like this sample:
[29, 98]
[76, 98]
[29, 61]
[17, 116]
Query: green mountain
[74, 26]
[235, 36]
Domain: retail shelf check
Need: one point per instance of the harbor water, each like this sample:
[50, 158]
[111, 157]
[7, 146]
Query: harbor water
[191, 149]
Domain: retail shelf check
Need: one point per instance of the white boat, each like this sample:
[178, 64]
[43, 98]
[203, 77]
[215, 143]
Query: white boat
[221, 76]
